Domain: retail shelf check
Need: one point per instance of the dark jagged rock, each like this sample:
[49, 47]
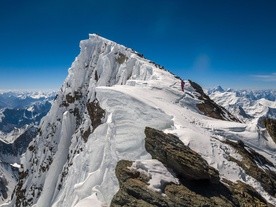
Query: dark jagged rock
[255, 165]
[121, 58]
[209, 108]
[134, 191]
[191, 191]
[96, 113]
[270, 125]
[246, 195]
[169, 150]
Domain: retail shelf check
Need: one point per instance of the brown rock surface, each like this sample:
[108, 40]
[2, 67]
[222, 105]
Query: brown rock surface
[209, 108]
[195, 190]
[270, 125]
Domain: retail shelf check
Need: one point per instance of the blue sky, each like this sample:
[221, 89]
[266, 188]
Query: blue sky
[213, 42]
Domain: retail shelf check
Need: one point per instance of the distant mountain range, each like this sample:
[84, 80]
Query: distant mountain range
[19, 110]
[247, 105]
[20, 115]
[269, 94]
[23, 99]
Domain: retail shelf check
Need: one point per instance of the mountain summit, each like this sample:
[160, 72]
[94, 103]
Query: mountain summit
[121, 132]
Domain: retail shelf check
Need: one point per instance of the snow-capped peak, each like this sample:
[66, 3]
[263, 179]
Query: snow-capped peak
[219, 88]
[87, 125]
[96, 37]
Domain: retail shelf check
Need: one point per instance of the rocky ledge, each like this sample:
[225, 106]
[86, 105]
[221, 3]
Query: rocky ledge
[270, 125]
[199, 184]
[209, 108]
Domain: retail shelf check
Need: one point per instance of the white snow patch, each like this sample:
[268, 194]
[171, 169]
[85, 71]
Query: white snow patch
[16, 165]
[59, 160]
[89, 201]
[156, 171]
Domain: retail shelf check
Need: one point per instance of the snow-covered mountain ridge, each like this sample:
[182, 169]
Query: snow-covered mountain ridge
[111, 95]
[18, 109]
[22, 99]
[268, 94]
[257, 108]
[246, 104]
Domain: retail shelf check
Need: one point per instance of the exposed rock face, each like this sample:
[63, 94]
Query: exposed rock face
[195, 189]
[134, 191]
[169, 150]
[270, 125]
[209, 108]
[96, 113]
[255, 165]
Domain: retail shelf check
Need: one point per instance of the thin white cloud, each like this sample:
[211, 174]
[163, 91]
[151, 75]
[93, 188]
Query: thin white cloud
[265, 77]
[202, 63]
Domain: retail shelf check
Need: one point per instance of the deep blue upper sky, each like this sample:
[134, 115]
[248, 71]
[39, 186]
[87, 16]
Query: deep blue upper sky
[213, 42]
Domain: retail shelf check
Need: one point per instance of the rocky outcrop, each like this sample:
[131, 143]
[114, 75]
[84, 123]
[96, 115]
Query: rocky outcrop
[134, 191]
[209, 108]
[255, 165]
[199, 183]
[270, 125]
[96, 113]
[186, 163]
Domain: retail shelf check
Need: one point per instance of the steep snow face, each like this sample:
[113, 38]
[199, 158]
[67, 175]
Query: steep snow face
[98, 118]
[105, 63]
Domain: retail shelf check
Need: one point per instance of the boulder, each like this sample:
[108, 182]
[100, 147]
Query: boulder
[186, 163]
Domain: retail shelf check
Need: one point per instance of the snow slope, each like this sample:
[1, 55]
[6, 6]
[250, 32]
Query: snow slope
[72, 161]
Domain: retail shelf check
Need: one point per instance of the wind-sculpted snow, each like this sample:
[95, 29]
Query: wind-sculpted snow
[72, 161]
[58, 154]
[121, 136]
